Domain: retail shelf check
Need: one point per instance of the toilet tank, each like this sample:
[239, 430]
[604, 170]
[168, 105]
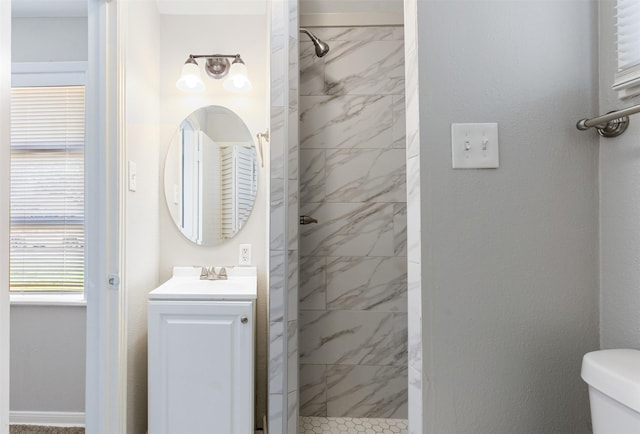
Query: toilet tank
[613, 377]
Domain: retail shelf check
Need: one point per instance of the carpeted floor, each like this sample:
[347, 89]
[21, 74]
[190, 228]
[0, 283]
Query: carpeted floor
[34, 429]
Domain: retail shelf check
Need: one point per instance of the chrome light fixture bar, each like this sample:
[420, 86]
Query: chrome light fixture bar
[217, 66]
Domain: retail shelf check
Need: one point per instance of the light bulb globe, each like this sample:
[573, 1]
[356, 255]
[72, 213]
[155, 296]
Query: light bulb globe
[190, 80]
[237, 80]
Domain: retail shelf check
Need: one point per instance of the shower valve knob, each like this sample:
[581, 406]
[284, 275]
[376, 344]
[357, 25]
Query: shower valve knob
[305, 220]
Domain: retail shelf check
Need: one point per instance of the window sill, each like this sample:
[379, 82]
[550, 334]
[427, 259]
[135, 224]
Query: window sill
[58, 299]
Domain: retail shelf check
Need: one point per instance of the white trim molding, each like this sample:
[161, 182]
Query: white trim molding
[106, 392]
[51, 299]
[5, 140]
[47, 418]
[48, 74]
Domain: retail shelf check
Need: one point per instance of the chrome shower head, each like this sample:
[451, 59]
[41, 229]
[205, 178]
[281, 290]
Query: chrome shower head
[322, 48]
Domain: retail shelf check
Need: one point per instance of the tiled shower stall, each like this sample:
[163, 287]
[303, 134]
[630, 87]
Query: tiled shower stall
[346, 329]
[353, 263]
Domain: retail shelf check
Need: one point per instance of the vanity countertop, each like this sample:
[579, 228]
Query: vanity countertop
[241, 284]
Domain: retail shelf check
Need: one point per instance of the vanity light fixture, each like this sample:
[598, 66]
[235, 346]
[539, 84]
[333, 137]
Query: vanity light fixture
[217, 66]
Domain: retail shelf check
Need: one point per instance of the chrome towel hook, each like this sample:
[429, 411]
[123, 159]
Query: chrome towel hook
[260, 137]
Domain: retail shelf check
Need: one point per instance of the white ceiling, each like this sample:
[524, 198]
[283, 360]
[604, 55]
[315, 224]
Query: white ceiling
[48, 8]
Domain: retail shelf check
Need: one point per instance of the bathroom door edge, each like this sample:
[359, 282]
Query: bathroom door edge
[106, 376]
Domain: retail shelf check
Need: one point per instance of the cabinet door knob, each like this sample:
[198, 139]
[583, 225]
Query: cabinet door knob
[244, 319]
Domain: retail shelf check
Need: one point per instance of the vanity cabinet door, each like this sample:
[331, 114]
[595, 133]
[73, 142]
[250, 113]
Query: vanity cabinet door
[200, 367]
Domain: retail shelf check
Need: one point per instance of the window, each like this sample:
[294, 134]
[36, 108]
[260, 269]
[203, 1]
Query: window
[627, 80]
[47, 245]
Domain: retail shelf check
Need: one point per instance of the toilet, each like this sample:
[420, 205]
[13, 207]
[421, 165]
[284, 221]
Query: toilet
[613, 377]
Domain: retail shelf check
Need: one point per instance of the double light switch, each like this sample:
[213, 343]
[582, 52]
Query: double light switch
[474, 146]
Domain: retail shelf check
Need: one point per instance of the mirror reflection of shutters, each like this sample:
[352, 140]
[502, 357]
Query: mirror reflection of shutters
[239, 181]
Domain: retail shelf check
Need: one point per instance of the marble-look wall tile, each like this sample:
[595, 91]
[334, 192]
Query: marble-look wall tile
[276, 357]
[348, 229]
[365, 68]
[400, 229]
[278, 25]
[412, 120]
[415, 407]
[292, 412]
[277, 287]
[294, 71]
[398, 33]
[312, 290]
[276, 421]
[382, 33]
[292, 356]
[277, 210]
[311, 70]
[293, 143]
[367, 283]
[277, 70]
[277, 143]
[312, 165]
[365, 175]
[398, 135]
[347, 121]
[283, 236]
[293, 214]
[294, 25]
[292, 285]
[367, 391]
[353, 265]
[353, 337]
[414, 316]
[401, 339]
[412, 106]
[413, 210]
[417, 388]
[313, 390]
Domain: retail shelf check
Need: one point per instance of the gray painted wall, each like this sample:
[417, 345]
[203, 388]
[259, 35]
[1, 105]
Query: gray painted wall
[47, 358]
[49, 39]
[510, 256]
[48, 342]
[619, 208]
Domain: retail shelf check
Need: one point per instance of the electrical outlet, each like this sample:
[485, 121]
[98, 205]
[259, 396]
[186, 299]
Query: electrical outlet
[244, 254]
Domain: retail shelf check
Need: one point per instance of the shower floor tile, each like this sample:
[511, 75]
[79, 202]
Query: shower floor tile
[350, 425]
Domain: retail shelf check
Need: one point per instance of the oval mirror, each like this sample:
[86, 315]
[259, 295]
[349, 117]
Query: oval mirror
[211, 175]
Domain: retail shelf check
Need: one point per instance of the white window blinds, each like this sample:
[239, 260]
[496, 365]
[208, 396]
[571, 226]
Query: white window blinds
[47, 188]
[627, 79]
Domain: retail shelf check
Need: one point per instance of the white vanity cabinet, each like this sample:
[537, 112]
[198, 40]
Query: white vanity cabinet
[201, 362]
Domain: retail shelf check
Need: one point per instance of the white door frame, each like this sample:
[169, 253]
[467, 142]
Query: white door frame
[105, 402]
[106, 304]
[5, 166]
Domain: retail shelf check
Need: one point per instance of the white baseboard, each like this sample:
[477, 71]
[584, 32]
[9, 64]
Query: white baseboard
[46, 418]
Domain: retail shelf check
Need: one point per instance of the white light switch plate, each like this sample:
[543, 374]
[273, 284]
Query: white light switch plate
[133, 176]
[475, 146]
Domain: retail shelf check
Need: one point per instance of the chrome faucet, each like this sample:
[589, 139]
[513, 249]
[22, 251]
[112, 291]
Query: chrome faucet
[209, 273]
